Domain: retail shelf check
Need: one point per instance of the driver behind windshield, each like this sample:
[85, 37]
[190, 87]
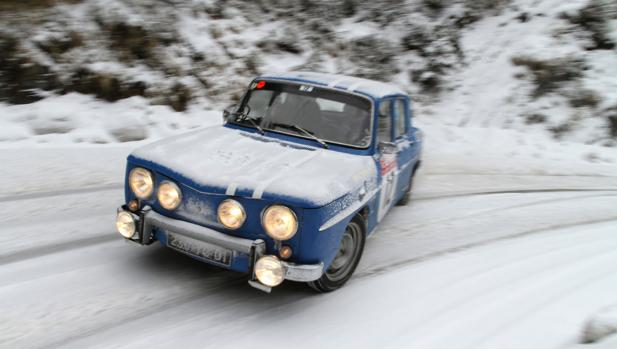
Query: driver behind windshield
[307, 111]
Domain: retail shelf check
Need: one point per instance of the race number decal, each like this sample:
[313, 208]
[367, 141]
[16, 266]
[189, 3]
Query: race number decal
[389, 178]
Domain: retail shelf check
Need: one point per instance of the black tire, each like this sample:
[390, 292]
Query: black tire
[342, 268]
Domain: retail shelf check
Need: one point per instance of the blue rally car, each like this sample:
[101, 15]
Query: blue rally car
[302, 171]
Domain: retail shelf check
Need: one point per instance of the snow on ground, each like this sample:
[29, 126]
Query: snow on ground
[530, 293]
[509, 242]
[512, 151]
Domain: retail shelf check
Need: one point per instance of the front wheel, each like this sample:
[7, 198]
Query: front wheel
[346, 260]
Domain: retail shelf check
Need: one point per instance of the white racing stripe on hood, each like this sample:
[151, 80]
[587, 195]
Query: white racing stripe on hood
[231, 189]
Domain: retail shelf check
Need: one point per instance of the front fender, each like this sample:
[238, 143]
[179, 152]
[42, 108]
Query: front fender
[324, 228]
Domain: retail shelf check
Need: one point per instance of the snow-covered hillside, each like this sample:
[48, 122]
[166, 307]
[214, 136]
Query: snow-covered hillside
[526, 64]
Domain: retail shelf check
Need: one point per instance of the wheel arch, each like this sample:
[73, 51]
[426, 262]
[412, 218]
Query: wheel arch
[416, 167]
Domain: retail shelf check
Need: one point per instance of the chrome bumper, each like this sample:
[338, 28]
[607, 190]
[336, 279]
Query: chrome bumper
[302, 272]
[197, 232]
[147, 220]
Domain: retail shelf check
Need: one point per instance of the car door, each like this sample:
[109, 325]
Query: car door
[386, 157]
[404, 138]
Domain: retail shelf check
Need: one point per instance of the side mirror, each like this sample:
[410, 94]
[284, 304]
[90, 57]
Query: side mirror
[227, 112]
[387, 148]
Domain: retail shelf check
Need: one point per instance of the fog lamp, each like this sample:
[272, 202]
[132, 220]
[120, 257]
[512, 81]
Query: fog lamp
[269, 271]
[125, 224]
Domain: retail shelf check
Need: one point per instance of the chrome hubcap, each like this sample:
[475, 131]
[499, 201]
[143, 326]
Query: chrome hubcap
[344, 253]
[347, 253]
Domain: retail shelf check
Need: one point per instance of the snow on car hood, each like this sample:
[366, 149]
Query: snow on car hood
[233, 161]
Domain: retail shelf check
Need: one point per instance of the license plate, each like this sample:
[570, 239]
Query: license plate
[200, 249]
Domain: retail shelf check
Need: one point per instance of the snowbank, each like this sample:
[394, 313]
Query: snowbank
[81, 119]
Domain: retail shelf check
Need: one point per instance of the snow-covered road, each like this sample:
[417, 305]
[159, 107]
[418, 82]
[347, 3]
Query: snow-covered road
[480, 259]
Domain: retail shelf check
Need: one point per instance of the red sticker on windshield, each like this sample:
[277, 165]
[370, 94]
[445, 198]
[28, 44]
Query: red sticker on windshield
[260, 84]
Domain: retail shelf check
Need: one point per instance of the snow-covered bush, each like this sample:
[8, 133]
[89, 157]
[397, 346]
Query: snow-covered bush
[611, 117]
[595, 19]
[22, 77]
[486, 5]
[373, 58]
[550, 74]
[600, 326]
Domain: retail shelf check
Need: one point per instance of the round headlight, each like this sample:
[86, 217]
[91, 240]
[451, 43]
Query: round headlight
[269, 271]
[125, 224]
[231, 214]
[280, 222]
[169, 195]
[141, 182]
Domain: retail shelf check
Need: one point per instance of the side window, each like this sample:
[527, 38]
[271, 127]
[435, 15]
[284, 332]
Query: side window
[401, 125]
[384, 124]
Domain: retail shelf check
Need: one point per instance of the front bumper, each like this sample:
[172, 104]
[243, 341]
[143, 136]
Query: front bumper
[245, 252]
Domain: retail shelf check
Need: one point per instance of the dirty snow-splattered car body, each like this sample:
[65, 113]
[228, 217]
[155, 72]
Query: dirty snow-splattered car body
[303, 169]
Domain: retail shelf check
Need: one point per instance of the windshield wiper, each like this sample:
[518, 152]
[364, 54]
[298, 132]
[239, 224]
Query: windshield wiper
[261, 130]
[245, 116]
[311, 135]
[306, 132]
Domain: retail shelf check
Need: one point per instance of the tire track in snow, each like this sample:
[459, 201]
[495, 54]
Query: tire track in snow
[54, 193]
[244, 295]
[390, 267]
[49, 249]
[143, 313]
[499, 174]
[517, 191]
[500, 209]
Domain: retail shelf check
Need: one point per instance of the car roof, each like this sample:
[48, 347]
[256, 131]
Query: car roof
[375, 89]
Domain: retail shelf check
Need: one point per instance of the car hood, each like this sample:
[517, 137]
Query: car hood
[233, 162]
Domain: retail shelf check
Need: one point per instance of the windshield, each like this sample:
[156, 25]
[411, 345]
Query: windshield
[307, 111]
